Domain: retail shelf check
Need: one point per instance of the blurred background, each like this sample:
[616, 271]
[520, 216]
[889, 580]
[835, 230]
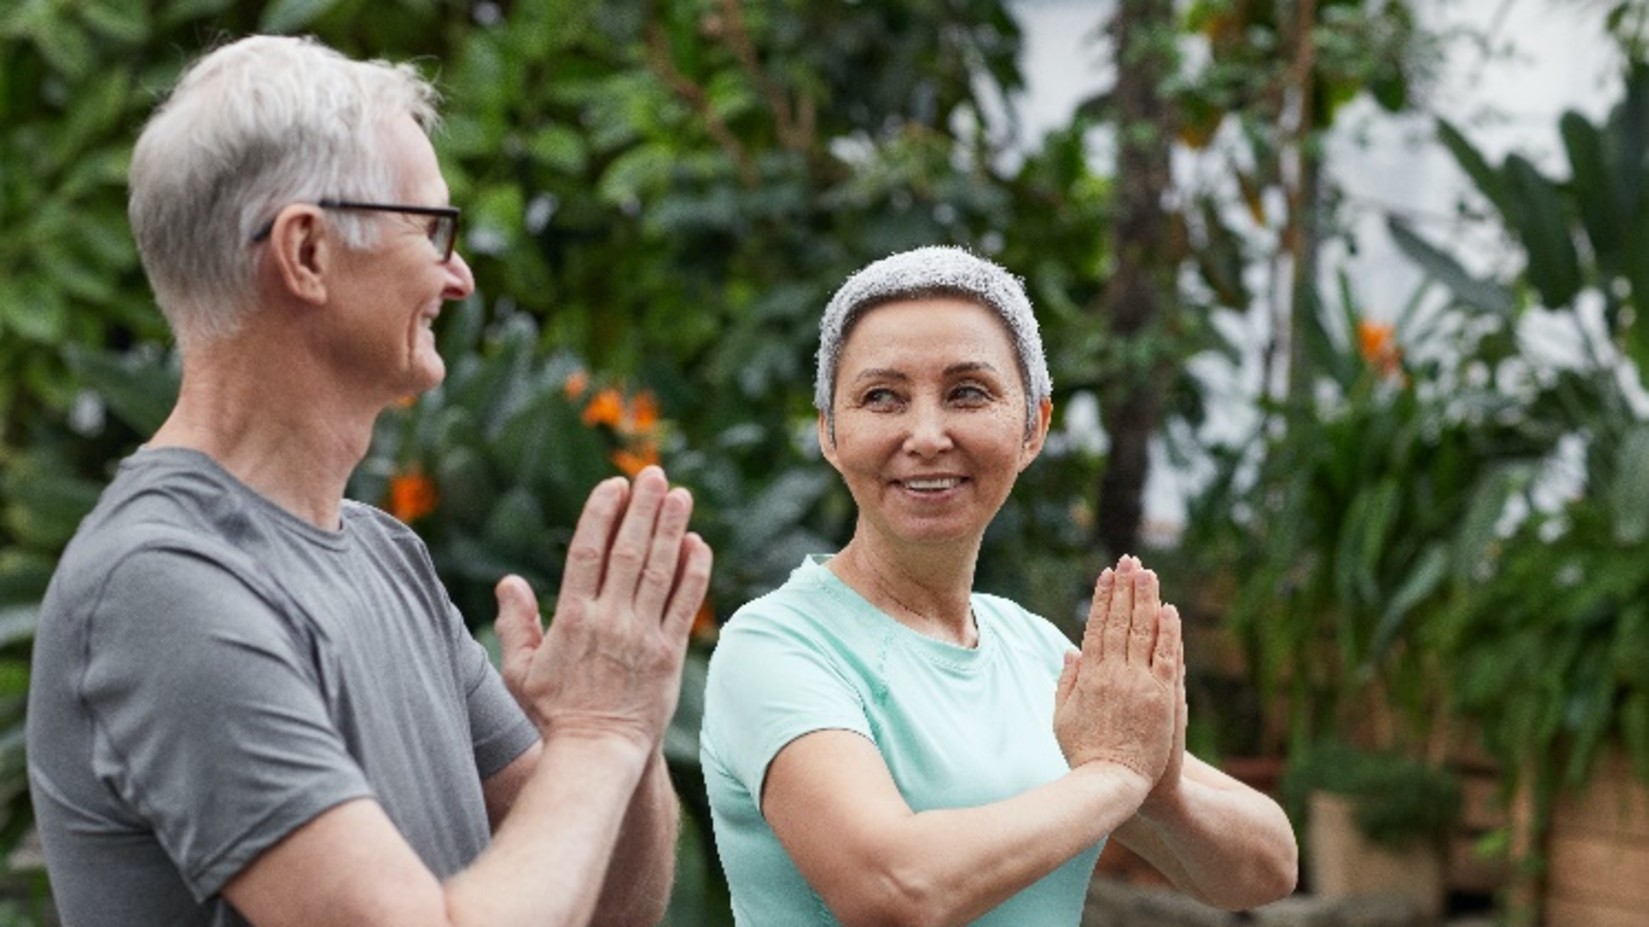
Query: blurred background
[1341, 300]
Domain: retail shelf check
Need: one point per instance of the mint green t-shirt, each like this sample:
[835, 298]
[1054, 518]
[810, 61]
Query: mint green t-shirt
[957, 727]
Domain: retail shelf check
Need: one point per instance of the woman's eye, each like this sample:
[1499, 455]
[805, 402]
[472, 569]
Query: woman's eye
[879, 398]
[970, 394]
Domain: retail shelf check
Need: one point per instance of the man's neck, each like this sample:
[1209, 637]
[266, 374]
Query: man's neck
[278, 431]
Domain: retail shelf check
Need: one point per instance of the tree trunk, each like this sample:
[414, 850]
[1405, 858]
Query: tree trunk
[1141, 286]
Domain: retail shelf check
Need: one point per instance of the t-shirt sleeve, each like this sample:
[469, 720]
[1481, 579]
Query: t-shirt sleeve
[209, 712]
[770, 683]
[499, 729]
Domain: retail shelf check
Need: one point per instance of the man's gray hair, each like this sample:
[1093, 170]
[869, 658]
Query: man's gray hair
[936, 270]
[252, 127]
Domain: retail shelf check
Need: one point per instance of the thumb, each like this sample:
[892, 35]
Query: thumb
[1067, 677]
[518, 627]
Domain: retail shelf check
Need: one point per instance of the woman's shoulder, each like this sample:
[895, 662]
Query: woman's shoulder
[806, 595]
[1019, 625]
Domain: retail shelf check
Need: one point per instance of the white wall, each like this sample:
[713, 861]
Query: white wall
[1542, 57]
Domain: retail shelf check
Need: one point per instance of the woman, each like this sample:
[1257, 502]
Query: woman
[882, 744]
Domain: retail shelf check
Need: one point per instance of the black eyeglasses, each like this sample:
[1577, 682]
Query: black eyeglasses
[443, 227]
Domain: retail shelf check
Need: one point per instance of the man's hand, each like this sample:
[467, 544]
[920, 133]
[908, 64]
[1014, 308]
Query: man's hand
[611, 661]
[1116, 700]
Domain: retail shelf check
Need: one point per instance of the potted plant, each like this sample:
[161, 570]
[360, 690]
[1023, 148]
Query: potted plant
[1374, 822]
[1552, 659]
[1340, 523]
[1546, 627]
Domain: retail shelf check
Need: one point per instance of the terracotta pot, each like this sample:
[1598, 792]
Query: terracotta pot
[1597, 852]
[1343, 863]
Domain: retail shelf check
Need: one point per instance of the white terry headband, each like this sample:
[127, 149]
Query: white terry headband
[921, 272]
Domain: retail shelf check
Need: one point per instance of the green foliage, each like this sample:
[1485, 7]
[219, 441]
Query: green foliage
[492, 467]
[1347, 521]
[1554, 653]
[1546, 628]
[660, 195]
[1397, 801]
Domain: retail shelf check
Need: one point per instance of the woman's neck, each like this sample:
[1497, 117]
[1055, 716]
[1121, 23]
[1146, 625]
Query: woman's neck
[927, 589]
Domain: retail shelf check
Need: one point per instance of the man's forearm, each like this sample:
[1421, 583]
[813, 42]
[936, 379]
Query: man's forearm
[637, 887]
[550, 858]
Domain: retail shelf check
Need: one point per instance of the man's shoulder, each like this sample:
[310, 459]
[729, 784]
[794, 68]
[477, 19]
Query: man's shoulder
[158, 503]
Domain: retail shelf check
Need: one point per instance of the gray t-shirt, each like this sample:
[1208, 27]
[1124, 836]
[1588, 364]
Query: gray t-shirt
[211, 672]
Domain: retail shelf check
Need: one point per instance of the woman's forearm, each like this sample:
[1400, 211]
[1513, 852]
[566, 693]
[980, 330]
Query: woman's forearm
[1218, 840]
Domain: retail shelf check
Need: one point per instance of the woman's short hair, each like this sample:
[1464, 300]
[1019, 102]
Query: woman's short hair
[924, 273]
[252, 127]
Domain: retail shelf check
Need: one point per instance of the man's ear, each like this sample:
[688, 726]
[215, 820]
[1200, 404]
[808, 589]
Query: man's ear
[302, 250]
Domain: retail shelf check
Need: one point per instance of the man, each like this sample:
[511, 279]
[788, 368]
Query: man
[253, 701]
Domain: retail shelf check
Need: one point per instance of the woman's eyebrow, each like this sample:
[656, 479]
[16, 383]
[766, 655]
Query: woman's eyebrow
[881, 373]
[970, 367]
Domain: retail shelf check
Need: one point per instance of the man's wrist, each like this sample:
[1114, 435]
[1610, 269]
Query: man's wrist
[614, 748]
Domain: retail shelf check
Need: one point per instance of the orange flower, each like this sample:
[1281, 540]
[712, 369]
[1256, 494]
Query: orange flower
[606, 408]
[577, 382]
[632, 461]
[643, 411]
[411, 495]
[1378, 343]
[704, 622]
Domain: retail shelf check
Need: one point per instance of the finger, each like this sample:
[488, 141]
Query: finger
[1143, 620]
[1183, 712]
[1093, 633]
[587, 554]
[664, 554]
[628, 555]
[692, 582]
[518, 626]
[1067, 677]
[1120, 614]
[1168, 661]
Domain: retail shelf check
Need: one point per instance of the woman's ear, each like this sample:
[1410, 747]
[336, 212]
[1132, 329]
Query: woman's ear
[1038, 434]
[302, 251]
[827, 439]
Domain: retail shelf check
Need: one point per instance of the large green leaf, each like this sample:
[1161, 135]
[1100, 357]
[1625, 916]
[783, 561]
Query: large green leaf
[1477, 292]
[1544, 224]
[1488, 181]
[288, 16]
[1594, 186]
[1629, 492]
[139, 388]
[1423, 581]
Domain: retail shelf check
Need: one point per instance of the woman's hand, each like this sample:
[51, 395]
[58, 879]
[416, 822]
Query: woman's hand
[1165, 795]
[1118, 700]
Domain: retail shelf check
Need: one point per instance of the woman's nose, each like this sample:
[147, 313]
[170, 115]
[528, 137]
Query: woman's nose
[929, 430]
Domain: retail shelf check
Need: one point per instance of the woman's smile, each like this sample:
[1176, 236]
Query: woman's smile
[929, 417]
